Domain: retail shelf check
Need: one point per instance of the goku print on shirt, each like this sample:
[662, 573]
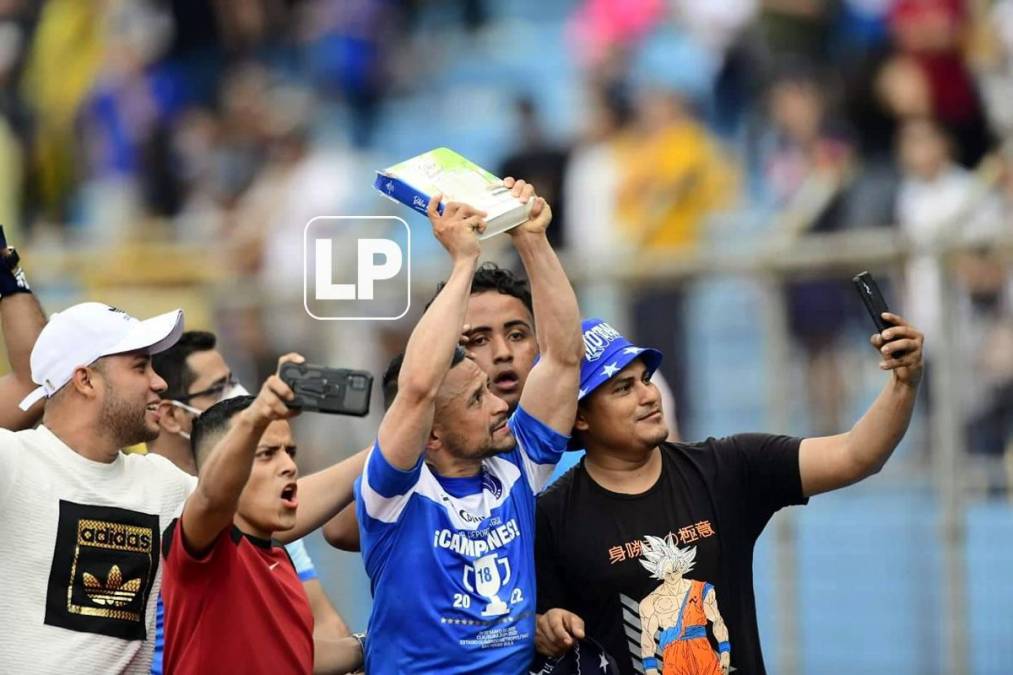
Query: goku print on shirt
[674, 616]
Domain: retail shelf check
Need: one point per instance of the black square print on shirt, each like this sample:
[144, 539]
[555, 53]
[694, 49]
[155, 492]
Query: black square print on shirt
[104, 564]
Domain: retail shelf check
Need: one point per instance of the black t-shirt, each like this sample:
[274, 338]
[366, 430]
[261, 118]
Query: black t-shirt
[677, 558]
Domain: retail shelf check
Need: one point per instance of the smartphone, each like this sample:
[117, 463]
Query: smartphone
[874, 302]
[337, 391]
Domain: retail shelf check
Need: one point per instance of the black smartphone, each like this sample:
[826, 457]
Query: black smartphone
[874, 302]
[337, 391]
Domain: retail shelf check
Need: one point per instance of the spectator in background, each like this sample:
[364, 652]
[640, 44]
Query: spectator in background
[939, 201]
[989, 350]
[806, 168]
[125, 123]
[673, 175]
[57, 78]
[537, 158]
[591, 178]
[930, 31]
[997, 72]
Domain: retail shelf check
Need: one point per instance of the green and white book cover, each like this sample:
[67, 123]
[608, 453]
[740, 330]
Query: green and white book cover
[413, 181]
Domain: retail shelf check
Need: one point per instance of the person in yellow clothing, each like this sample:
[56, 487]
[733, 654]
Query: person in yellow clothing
[672, 175]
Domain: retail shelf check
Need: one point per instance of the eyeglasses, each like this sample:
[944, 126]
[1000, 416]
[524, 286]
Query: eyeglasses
[219, 392]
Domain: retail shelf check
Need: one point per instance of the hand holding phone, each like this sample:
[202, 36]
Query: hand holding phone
[337, 391]
[874, 303]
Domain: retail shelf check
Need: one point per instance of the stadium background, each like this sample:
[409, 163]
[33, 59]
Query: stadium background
[719, 169]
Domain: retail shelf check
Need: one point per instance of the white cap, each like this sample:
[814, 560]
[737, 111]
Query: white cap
[82, 334]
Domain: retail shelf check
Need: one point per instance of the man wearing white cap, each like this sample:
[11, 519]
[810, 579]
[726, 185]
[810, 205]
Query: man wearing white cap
[81, 520]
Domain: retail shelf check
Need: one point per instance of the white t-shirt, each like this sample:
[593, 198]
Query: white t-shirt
[80, 555]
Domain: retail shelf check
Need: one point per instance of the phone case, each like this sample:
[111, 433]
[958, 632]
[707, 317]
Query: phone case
[336, 391]
[873, 300]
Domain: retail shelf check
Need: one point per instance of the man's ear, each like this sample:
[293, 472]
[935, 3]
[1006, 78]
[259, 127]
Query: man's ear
[167, 417]
[85, 381]
[580, 423]
[434, 442]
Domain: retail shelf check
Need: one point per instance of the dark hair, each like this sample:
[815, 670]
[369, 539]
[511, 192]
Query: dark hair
[171, 364]
[214, 422]
[394, 371]
[491, 277]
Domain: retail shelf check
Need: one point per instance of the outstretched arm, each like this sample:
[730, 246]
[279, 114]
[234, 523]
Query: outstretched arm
[550, 393]
[342, 531]
[323, 494]
[833, 462]
[407, 423]
[212, 506]
[22, 319]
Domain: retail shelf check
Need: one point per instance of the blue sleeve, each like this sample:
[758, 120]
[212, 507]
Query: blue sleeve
[539, 447]
[539, 442]
[381, 495]
[301, 560]
[386, 481]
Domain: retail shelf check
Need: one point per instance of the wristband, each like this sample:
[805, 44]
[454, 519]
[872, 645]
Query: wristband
[12, 277]
[361, 638]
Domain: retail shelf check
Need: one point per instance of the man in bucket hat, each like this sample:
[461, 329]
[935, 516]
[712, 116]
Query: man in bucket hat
[648, 545]
[81, 520]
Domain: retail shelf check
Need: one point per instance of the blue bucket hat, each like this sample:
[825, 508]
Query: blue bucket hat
[606, 352]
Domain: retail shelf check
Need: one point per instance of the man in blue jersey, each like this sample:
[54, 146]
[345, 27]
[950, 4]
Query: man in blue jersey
[446, 501]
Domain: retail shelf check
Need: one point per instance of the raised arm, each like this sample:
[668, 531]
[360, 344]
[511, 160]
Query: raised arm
[832, 462]
[550, 393]
[22, 320]
[212, 506]
[408, 421]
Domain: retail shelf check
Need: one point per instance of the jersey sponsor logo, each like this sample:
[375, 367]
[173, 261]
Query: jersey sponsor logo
[597, 339]
[104, 565]
[475, 547]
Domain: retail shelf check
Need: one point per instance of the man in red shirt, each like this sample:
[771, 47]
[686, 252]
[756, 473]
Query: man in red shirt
[233, 600]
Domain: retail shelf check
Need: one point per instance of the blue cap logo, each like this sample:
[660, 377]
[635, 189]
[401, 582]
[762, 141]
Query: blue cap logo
[606, 352]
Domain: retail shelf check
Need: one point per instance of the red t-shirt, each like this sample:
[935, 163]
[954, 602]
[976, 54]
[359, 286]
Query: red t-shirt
[239, 609]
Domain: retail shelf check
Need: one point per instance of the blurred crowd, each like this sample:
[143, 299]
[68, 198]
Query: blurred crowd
[228, 125]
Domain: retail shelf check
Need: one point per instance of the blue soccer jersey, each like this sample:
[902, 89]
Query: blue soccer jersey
[451, 560]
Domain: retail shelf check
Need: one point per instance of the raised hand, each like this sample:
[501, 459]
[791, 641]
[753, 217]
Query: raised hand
[540, 216]
[270, 402]
[901, 338]
[457, 229]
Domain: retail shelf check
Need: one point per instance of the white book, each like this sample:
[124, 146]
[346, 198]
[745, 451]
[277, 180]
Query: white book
[414, 181]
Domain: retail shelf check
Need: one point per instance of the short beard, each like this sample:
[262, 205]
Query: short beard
[121, 420]
[455, 443]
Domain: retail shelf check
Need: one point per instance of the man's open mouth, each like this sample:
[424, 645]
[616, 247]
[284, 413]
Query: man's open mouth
[506, 380]
[288, 495]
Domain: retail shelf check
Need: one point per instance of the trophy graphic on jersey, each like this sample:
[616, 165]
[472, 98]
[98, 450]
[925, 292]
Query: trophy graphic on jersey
[488, 582]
